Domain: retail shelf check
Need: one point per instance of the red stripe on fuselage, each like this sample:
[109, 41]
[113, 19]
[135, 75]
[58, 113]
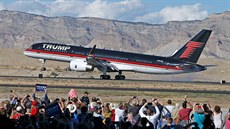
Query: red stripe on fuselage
[107, 59]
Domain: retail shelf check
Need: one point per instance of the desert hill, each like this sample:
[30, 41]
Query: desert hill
[20, 30]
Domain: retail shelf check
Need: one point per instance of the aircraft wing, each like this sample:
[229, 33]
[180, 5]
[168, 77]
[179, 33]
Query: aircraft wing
[101, 65]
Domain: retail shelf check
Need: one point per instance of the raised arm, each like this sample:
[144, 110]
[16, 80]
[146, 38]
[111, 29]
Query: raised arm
[155, 116]
[23, 101]
[190, 104]
[46, 99]
[33, 95]
[141, 111]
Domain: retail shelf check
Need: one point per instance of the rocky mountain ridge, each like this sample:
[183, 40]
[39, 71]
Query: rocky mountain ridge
[20, 30]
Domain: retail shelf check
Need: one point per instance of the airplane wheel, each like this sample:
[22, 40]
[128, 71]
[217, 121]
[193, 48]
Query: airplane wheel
[106, 77]
[117, 77]
[43, 69]
[123, 77]
[120, 77]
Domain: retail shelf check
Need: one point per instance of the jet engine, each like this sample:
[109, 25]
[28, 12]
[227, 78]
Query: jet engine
[80, 65]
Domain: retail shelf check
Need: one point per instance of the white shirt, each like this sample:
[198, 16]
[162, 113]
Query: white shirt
[98, 115]
[217, 119]
[152, 118]
[119, 115]
[170, 108]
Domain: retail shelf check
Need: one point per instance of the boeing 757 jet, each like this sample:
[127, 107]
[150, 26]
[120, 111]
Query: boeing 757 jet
[86, 59]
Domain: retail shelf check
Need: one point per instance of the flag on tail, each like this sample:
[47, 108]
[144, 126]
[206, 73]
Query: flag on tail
[72, 94]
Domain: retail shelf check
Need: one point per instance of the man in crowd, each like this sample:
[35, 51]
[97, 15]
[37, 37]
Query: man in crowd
[169, 105]
[119, 116]
[183, 114]
[150, 115]
[85, 98]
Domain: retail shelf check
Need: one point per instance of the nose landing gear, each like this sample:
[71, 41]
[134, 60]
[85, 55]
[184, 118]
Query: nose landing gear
[43, 68]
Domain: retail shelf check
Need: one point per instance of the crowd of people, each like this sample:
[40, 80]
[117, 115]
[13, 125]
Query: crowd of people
[84, 112]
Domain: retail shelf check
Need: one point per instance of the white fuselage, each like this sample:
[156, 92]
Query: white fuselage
[120, 65]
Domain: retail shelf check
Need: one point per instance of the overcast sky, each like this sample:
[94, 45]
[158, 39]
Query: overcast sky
[150, 11]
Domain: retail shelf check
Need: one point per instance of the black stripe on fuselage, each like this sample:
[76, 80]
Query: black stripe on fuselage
[103, 53]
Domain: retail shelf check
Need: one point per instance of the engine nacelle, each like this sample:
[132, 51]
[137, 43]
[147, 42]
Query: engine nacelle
[80, 65]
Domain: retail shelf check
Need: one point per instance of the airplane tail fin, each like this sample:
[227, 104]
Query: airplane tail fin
[191, 51]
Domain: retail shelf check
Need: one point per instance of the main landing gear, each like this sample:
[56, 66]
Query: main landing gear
[43, 68]
[105, 77]
[120, 76]
[117, 77]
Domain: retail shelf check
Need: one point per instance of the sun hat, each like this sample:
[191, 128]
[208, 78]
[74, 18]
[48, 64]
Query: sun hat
[19, 108]
[72, 108]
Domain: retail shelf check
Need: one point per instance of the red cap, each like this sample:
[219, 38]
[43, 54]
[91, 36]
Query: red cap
[199, 106]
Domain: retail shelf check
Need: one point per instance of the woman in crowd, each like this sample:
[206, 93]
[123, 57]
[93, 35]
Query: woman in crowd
[199, 115]
[217, 117]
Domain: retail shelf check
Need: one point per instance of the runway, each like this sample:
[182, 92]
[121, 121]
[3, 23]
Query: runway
[122, 89]
[109, 87]
[137, 80]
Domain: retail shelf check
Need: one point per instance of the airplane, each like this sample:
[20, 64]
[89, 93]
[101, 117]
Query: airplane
[84, 59]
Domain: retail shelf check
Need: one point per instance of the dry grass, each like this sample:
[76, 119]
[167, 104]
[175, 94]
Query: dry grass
[118, 84]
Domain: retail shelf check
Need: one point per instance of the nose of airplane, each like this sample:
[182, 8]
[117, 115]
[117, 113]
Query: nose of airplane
[26, 52]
